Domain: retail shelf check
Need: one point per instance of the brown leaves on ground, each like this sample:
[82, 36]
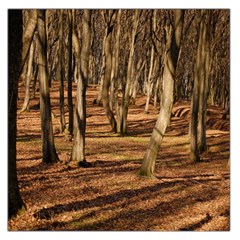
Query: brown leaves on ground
[110, 195]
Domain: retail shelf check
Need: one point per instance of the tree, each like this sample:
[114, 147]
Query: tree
[70, 103]
[60, 72]
[173, 39]
[150, 72]
[78, 150]
[28, 78]
[199, 97]
[15, 202]
[48, 147]
[126, 93]
[109, 17]
[28, 35]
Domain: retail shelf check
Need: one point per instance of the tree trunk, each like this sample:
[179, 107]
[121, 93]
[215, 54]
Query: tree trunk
[48, 147]
[70, 74]
[140, 65]
[35, 76]
[78, 151]
[150, 73]
[28, 35]
[109, 22]
[202, 142]
[199, 98]
[171, 58]
[28, 78]
[115, 69]
[15, 202]
[125, 98]
[149, 81]
[60, 73]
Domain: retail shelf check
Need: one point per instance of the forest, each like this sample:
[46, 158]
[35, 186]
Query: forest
[119, 119]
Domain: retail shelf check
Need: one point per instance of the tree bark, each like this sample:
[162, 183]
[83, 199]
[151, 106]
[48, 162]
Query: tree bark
[125, 98]
[78, 151]
[48, 147]
[28, 78]
[70, 74]
[202, 141]
[28, 35]
[15, 202]
[150, 73]
[149, 81]
[60, 73]
[199, 97]
[109, 16]
[171, 58]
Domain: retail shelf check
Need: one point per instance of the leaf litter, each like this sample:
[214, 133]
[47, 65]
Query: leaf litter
[110, 195]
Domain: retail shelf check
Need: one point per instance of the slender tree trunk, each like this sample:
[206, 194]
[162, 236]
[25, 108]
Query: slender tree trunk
[202, 142]
[15, 202]
[140, 65]
[99, 97]
[125, 99]
[48, 147]
[70, 74]
[28, 78]
[108, 66]
[35, 76]
[150, 73]
[115, 70]
[149, 81]
[78, 151]
[171, 59]
[60, 73]
[156, 95]
[28, 35]
[199, 98]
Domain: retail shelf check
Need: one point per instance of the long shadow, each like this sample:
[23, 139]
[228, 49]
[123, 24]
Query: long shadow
[101, 201]
[37, 157]
[130, 218]
[28, 138]
[48, 213]
[195, 226]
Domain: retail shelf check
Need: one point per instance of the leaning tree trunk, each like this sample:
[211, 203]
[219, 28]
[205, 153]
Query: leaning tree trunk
[78, 151]
[28, 35]
[48, 147]
[171, 59]
[15, 202]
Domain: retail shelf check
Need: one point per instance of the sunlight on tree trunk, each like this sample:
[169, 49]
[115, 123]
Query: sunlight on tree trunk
[48, 147]
[28, 78]
[61, 73]
[199, 99]
[70, 73]
[78, 150]
[109, 18]
[125, 98]
[171, 58]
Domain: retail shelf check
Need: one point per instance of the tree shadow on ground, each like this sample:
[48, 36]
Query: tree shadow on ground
[131, 219]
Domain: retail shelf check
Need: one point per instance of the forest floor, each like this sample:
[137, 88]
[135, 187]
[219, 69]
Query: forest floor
[110, 195]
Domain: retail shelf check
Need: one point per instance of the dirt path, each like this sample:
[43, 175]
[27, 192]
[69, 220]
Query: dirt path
[110, 195]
